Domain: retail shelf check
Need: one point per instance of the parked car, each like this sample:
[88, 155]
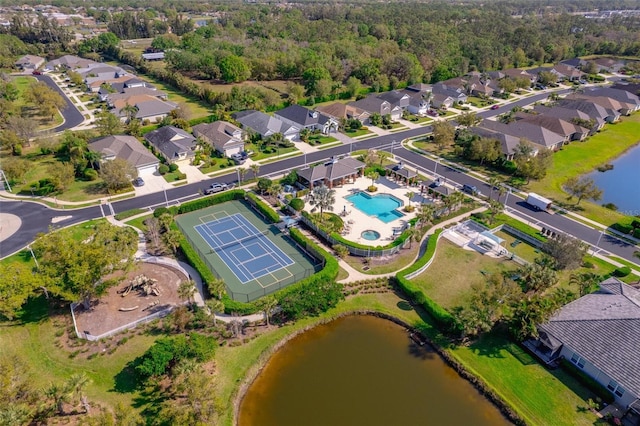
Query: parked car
[237, 158]
[36, 72]
[436, 183]
[216, 187]
[541, 86]
[432, 112]
[494, 107]
[138, 181]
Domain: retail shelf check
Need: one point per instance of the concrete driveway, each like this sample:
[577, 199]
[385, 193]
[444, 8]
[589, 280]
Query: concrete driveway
[152, 183]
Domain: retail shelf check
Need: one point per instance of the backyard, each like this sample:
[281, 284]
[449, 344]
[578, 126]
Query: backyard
[22, 82]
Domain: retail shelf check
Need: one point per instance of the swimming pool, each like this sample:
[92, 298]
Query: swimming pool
[382, 206]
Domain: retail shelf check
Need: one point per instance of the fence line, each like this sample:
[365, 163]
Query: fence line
[88, 336]
[356, 251]
[521, 235]
[429, 262]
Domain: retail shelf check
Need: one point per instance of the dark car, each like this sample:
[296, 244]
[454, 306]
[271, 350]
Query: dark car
[432, 112]
[138, 181]
[470, 189]
[495, 106]
[216, 187]
[36, 72]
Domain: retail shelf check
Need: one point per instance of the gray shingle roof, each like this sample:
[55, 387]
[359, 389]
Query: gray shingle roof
[302, 116]
[589, 107]
[536, 134]
[344, 167]
[566, 113]
[172, 141]
[221, 134]
[125, 147]
[262, 123]
[508, 143]
[604, 329]
[373, 104]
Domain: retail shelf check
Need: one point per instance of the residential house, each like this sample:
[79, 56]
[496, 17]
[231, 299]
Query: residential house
[457, 94]
[29, 63]
[332, 173]
[375, 105]
[567, 73]
[531, 132]
[609, 64]
[483, 88]
[420, 97]
[633, 88]
[340, 111]
[623, 96]
[591, 108]
[570, 115]
[262, 124]
[599, 334]
[396, 99]
[569, 130]
[148, 107]
[573, 62]
[130, 87]
[517, 72]
[69, 62]
[127, 148]
[128, 92]
[303, 118]
[173, 143]
[224, 137]
[609, 104]
[508, 143]
[441, 100]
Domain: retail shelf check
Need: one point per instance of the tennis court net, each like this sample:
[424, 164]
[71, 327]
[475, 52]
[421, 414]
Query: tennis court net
[241, 240]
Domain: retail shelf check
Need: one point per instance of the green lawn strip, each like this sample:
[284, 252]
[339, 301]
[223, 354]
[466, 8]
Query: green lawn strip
[138, 222]
[320, 140]
[329, 145]
[540, 396]
[360, 132]
[129, 213]
[625, 262]
[197, 108]
[580, 158]
[173, 176]
[23, 256]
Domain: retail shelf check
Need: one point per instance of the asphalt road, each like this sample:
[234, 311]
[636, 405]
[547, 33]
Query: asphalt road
[72, 117]
[388, 142]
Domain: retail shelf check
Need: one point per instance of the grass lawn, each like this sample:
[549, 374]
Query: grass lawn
[360, 132]
[139, 222]
[22, 82]
[384, 266]
[197, 107]
[580, 158]
[449, 289]
[172, 176]
[320, 139]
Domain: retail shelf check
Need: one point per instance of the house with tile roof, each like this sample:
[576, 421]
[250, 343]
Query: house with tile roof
[173, 143]
[570, 115]
[29, 63]
[265, 125]
[534, 133]
[570, 131]
[127, 148]
[593, 109]
[600, 334]
[224, 137]
[340, 111]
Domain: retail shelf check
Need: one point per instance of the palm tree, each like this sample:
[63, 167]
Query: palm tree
[305, 134]
[495, 207]
[426, 213]
[255, 168]
[172, 239]
[76, 384]
[370, 158]
[92, 157]
[323, 198]
[585, 282]
[267, 304]
[242, 171]
[59, 395]
[456, 199]
[186, 290]
[274, 189]
[383, 155]
[130, 111]
[410, 196]
[373, 175]
[217, 288]
[494, 183]
[214, 306]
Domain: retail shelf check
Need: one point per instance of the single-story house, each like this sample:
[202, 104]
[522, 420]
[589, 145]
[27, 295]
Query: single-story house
[633, 88]
[508, 143]
[173, 143]
[128, 92]
[531, 132]
[265, 125]
[29, 63]
[340, 111]
[570, 131]
[332, 173]
[599, 334]
[148, 107]
[623, 96]
[567, 73]
[375, 105]
[624, 108]
[303, 118]
[517, 72]
[456, 93]
[609, 64]
[593, 109]
[69, 62]
[570, 114]
[127, 148]
[224, 137]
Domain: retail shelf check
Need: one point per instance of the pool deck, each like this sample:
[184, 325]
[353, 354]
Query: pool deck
[357, 221]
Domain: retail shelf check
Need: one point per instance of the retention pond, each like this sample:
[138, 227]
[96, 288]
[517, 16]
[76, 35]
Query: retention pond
[362, 370]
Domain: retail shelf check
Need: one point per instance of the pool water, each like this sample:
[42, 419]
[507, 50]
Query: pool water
[370, 235]
[382, 206]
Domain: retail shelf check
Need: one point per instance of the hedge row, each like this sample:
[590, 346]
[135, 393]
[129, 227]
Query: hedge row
[439, 314]
[588, 381]
[263, 207]
[194, 259]
[330, 270]
[201, 203]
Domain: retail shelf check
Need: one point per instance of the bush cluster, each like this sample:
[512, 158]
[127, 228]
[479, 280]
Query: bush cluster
[267, 211]
[201, 203]
[589, 382]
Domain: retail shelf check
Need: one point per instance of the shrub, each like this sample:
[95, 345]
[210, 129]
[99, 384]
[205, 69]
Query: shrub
[622, 271]
[173, 167]
[163, 169]
[201, 203]
[372, 188]
[267, 211]
[622, 227]
[610, 206]
[588, 265]
[90, 174]
[160, 211]
[297, 204]
[589, 382]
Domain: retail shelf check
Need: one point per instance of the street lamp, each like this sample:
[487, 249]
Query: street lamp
[34, 257]
[506, 197]
[435, 168]
[599, 238]
[166, 200]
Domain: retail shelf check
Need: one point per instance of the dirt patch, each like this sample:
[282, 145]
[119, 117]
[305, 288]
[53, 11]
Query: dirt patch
[107, 315]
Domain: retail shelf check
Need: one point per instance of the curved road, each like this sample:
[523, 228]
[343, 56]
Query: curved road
[72, 117]
[38, 218]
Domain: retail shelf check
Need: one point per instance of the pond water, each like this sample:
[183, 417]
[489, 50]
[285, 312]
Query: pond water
[362, 370]
[621, 186]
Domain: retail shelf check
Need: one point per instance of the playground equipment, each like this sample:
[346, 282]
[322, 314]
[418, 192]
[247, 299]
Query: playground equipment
[147, 286]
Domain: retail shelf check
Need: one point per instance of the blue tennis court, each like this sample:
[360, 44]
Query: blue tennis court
[246, 251]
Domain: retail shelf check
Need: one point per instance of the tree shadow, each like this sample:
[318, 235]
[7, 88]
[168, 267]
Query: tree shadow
[36, 310]
[404, 305]
[126, 381]
[423, 352]
[96, 188]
